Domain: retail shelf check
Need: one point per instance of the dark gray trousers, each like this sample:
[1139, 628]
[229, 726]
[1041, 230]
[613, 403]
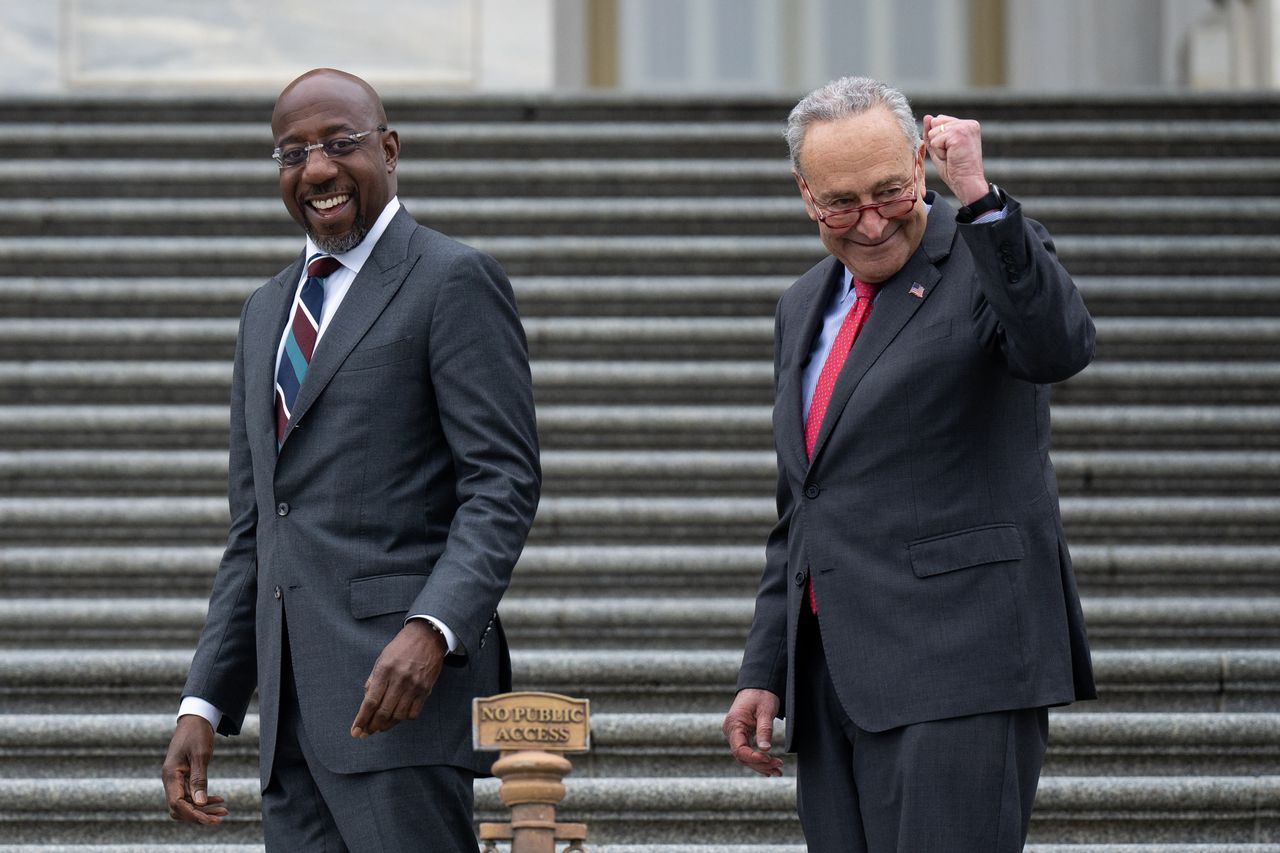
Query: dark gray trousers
[309, 809]
[963, 785]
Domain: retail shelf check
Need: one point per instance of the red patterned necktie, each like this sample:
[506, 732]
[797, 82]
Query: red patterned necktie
[854, 320]
[300, 340]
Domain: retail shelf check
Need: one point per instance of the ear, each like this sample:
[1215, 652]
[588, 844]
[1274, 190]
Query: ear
[808, 199]
[391, 149]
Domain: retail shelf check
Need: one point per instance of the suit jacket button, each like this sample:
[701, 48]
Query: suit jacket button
[277, 593]
[799, 578]
[282, 509]
[811, 491]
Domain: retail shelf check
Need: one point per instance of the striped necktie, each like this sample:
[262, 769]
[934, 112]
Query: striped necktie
[300, 340]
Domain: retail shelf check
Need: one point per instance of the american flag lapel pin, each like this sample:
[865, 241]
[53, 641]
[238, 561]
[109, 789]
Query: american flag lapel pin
[917, 290]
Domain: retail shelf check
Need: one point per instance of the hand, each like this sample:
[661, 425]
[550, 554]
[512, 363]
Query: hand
[186, 773]
[402, 679]
[955, 147]
[752, 712]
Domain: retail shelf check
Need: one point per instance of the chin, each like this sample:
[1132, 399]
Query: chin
[337, 244]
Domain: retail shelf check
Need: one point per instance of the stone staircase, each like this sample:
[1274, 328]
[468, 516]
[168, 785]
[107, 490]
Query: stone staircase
[648, 240]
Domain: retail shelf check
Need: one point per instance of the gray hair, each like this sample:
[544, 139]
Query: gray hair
[848, 96]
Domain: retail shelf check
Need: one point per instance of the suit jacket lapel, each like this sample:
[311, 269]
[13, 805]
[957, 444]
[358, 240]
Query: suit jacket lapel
[378, 281]
[261, 343]
[894, 307]
[790, 401]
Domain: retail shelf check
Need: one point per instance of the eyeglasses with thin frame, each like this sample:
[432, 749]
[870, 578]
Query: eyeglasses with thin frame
[338, 146]
[850, 216]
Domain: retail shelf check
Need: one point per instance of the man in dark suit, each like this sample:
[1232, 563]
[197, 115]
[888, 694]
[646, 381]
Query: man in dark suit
[383, 477]
[917, 612]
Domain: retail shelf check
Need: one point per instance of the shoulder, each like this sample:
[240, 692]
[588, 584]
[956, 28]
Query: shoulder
[804, 289]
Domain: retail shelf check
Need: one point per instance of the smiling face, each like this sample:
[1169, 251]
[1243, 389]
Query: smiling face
[335, 200]
[864, 159]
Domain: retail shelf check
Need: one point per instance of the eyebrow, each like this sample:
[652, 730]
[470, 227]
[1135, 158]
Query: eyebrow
[875, 188]
[331, 130]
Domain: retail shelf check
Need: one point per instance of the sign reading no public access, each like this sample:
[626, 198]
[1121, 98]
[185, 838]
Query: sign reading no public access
[530, 720]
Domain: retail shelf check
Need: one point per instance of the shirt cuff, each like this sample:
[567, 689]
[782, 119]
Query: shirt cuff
[450, 638]
[992, 216]
[200, 708]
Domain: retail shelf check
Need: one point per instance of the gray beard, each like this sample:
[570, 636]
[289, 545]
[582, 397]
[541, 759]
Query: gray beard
[343, 244]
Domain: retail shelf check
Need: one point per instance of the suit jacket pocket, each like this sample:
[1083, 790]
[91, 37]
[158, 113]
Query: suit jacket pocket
[363, 358]
[993, 543]
[374, 596]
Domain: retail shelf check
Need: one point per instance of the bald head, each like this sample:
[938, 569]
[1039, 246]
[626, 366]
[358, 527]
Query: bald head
[326, 86]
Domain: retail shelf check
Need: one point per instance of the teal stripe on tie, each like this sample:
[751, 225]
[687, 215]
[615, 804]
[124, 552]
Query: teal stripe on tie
[295, 357]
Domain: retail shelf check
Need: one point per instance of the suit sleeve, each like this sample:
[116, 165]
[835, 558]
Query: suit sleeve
[764, 663]
[1026, 306]
[224, 671]
[479, 368]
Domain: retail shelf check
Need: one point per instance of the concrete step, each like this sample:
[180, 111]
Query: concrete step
[196, 107]
[630, 520]
[651, 177]
[728, 473]
[623, 137]
[562, 381]
[687, 811]
[1180, 297]
[613, 255]
[56, 746]
[771, 215]
[677, 572]
[571, 619]
[61, 681]
[614, 338]
[737, 427]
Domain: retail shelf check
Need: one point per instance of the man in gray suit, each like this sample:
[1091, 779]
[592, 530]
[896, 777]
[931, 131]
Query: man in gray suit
[383, 477]
[917, 612]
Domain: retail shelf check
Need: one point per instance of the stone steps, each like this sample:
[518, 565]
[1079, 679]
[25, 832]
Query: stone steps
[611, 255]
[176, 520]
[563, 381]
[689, 811]
[612, 338]
[52, 746]
[198, 107]
[570, 619]
[49, 426]
[1245, 177]
[623, 137]
[1179, 297]
[50, 680]
[731, 217]
[618, 571]
[742, 473]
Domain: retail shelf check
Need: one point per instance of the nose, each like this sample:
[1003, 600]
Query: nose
[317, 168]
[871, 225]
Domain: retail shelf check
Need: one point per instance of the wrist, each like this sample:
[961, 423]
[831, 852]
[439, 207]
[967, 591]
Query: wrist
[972, 191]
[992, 199]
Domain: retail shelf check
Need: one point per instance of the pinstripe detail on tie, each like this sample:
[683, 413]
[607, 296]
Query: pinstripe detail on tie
[300, 340]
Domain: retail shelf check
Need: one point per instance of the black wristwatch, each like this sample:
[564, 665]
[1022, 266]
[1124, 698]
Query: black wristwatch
[993, 200]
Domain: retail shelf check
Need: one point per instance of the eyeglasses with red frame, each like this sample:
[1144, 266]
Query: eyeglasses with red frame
[850, 216]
